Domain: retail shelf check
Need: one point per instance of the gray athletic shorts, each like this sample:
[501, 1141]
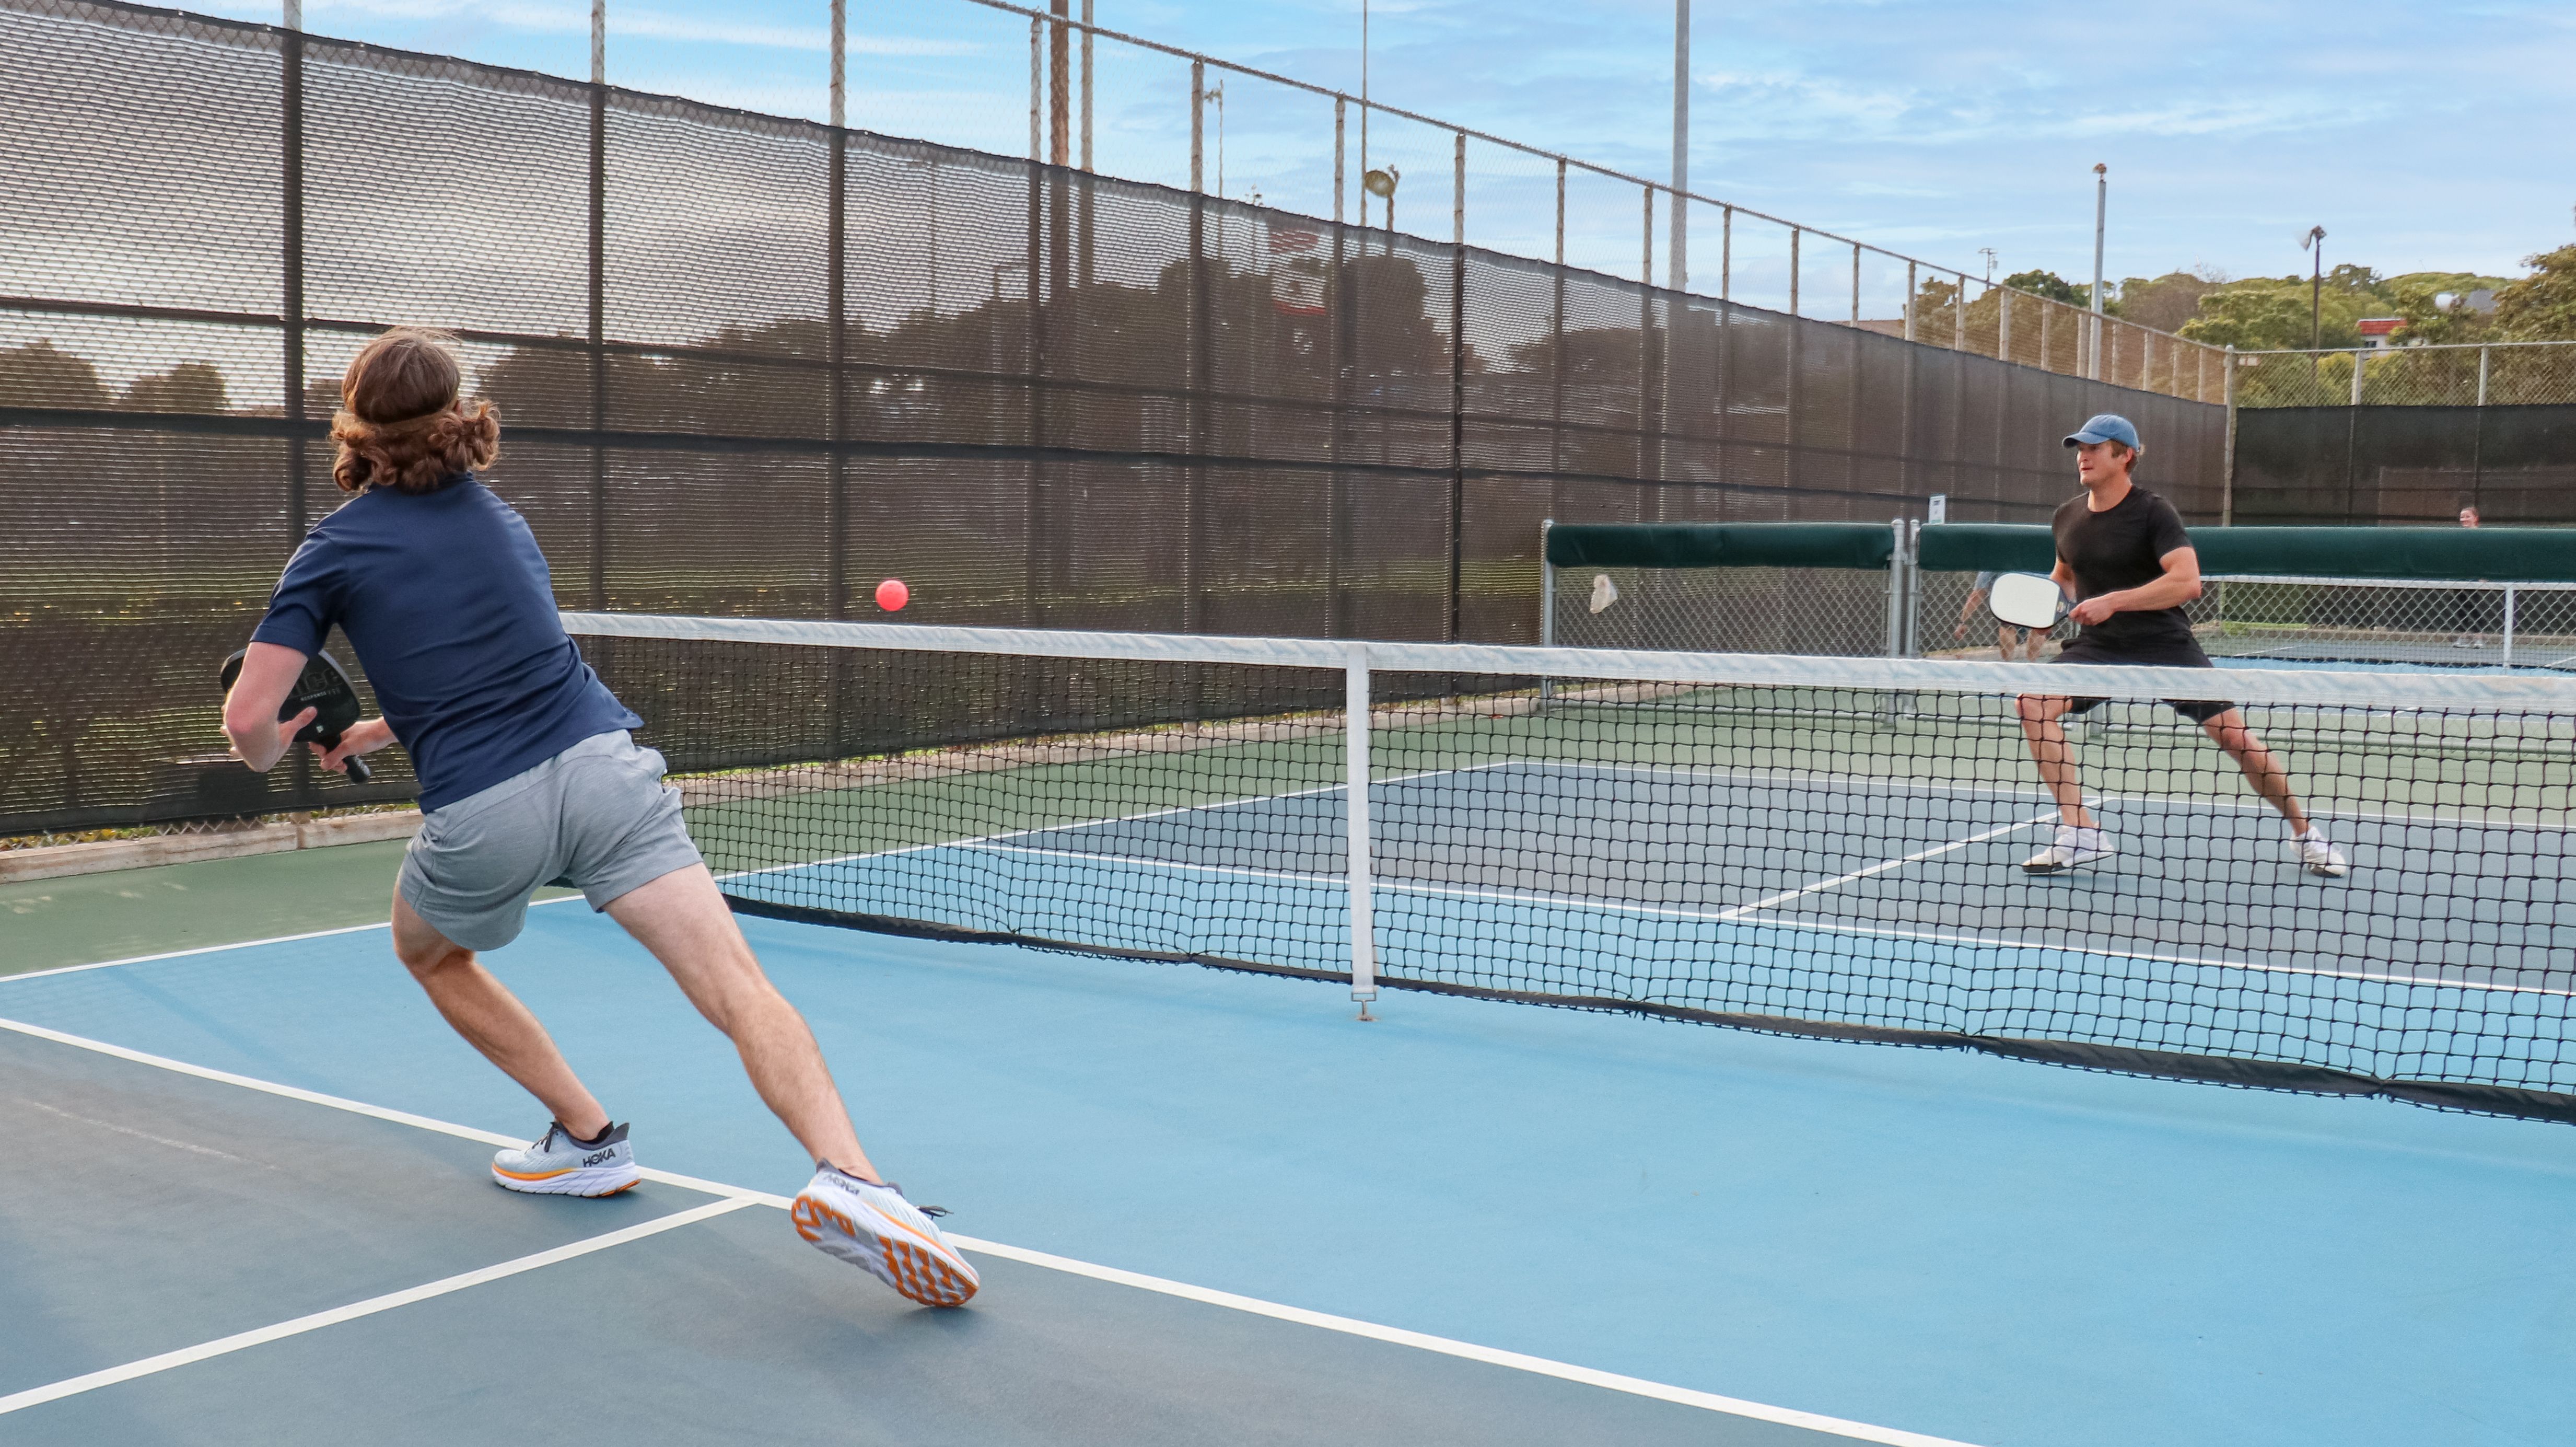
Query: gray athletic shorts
[597, 816]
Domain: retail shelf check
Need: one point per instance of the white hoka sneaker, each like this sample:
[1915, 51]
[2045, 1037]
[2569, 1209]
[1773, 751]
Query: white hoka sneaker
[2075, 846]
[559, 1165]
[873, 1227]
[2318, 855]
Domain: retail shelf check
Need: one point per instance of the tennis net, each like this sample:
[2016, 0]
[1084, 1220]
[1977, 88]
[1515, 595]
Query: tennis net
[1815, 846]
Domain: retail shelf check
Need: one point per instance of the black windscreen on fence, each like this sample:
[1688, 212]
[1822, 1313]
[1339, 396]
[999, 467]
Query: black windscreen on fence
[748, 365]
[2370, 466]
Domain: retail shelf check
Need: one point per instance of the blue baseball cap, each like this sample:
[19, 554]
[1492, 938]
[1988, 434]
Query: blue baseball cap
[2108, 427]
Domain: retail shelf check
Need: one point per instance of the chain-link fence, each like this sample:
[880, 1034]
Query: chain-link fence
[748, 365]
[2472, 374]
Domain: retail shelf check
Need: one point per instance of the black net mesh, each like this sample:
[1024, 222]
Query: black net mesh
[1046, 398]
[1841, 857]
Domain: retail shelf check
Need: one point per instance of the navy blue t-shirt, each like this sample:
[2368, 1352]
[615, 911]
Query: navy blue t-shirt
[452, 612]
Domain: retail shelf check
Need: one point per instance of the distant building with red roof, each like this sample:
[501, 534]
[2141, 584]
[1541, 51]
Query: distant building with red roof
[2378, 332]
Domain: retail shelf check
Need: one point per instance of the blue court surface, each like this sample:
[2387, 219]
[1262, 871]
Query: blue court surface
[244, 1202]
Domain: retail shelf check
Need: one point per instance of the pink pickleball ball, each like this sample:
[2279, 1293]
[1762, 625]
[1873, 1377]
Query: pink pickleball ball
[892, 594]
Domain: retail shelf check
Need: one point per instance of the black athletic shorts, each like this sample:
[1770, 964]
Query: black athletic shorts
[2185, 654]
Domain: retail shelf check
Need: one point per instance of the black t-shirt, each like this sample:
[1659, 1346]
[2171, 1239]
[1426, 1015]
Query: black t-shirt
[2124, 547]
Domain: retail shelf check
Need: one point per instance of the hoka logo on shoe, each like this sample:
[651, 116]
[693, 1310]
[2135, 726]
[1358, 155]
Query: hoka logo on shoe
[595, 1157]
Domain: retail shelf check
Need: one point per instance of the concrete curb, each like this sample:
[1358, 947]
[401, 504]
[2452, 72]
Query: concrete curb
[276, 837]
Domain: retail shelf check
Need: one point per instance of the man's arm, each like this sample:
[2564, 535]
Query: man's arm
[268, 674]
[2179, 585]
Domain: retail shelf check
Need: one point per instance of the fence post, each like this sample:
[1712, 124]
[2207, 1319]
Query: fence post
[598, 306]
[2357, 355]
[2003, 322]
[1646, 253]
[1896, 592]
[1200, 346]
[1909, 301]
[2482, 376]
[1793, 270]
[2047, 347]
[2509, 599]
[1726, 254]
[1456, 390]
[1037, 87]
[1198, 131]
[2227, 468]
[835, 332]
[1855, 310]
[1337, 329]
[1959, 316]
[1560, 212]
[1087, 242]
[1355, 787]
[1046, 88]
[291, 271]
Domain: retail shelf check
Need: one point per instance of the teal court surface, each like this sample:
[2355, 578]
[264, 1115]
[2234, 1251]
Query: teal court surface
[245, 1202]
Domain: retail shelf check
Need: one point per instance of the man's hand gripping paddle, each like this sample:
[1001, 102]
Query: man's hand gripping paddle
[324, 688]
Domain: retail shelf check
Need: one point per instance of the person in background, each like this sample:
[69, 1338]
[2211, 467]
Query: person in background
[2469, 621]
[2006, 635]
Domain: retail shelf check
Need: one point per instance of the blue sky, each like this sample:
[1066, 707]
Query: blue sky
[2422, 136]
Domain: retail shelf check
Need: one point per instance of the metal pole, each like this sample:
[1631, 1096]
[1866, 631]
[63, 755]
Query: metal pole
[291, 307]
[1959, 316]
[1896, 592]
[1546, 606]
[1086, 85]
[1909, 301]
[1793, 271]
[1677, 269]
[1646, 251]
[598, 306]
[836, 334]
[1457, 390]
[1341, 107]
[1560, 215]
[2227, 468]
[2003, 321]
[2357, 356]
[2101, 209]
[1855, 310]
[1198, 132]
[1364, 113]
[2509, 598]
[1060, 84]
[1037, 88]
[1726, 253]
[1355, 810]
[2482, 377]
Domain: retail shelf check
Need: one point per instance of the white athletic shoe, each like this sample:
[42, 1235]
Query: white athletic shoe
[872, 1226]
[558, 1165]
[2075, 846]
[2319, 856]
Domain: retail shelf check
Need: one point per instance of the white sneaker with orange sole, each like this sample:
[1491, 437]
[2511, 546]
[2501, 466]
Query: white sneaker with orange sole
[560, 1165]
[873, 1227]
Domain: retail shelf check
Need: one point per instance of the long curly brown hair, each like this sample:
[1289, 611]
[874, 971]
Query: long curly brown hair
[401, 424]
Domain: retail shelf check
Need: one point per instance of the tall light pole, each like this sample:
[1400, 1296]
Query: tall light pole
[1679, 266]
[1364, 110]
[2101, 210]
[2314, 243]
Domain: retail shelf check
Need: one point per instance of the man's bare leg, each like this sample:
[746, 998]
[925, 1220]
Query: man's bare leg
[2004, 645]
[2262, 767]
[683, 920]
[493, 1021]
[2042, 730]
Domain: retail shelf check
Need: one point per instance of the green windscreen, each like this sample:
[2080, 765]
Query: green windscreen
[2522, 555]
[1721, 545]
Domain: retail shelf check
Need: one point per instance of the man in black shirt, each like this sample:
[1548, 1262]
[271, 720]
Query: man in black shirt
[2123, 552]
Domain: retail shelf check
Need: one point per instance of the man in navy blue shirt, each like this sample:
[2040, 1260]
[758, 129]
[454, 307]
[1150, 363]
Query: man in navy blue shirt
[528, 774]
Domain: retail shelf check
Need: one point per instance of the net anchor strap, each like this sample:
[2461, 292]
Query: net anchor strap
[1356, 786]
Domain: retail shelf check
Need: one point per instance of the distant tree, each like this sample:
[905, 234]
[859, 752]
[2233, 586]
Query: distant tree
[187, 387]
[2048, 284]
[2272, 316]
[2165, 302]
[2540, 307]
[39, 374]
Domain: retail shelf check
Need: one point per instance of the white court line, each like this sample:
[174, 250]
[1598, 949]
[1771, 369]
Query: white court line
[1917, 857]
[319, 934]
[261, 1336]
[1861, 784]
[736, 1197]
[1946, 937]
